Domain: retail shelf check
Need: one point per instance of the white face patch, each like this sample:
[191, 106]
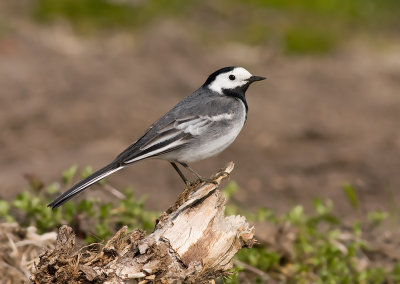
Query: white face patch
[230, 80]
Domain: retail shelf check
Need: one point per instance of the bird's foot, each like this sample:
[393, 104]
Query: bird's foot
[221, 174]
[198, 181]
[189, 184]
[206, 180]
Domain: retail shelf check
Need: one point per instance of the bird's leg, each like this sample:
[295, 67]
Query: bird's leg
[199, 177]
[185, 180]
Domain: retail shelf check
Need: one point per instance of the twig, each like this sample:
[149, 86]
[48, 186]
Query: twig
[113, 191]
[253, 269]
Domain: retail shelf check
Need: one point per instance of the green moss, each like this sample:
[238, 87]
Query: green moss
[97, 15]
[85, 13]
[253, 34]
[306, 27]
[308, 41]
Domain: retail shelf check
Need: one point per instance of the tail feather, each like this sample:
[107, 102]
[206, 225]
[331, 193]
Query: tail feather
[85, 183]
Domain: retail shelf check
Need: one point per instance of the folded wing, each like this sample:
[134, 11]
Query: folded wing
[171, 137]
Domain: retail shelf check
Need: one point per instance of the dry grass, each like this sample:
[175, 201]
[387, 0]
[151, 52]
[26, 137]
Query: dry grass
[19, 248]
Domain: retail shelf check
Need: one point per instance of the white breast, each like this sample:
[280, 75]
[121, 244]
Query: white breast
[210, 147]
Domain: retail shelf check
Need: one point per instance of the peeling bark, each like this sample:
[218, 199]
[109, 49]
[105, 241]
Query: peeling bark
[193, 242]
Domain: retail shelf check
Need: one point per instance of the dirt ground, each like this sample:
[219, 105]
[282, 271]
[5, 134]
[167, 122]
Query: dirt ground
[314, 125]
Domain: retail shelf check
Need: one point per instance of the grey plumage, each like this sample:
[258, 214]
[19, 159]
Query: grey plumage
[200, 126]
[200, 104]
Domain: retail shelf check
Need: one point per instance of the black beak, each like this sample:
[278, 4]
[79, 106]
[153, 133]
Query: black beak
[255, 78]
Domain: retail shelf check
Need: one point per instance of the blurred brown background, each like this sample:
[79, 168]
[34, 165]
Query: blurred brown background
[82, 79]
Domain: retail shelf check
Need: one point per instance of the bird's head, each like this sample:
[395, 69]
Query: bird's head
[230, 79]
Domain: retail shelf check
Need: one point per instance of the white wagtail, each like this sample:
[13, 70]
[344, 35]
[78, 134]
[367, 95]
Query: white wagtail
[200, 126]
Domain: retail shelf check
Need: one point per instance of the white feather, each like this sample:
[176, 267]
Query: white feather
[222, 81]
[90, 182]
[196, 126]
[157, 151]
[213, 146]
[159, 140]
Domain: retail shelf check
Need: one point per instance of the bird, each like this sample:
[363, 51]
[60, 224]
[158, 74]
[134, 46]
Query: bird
[200, 126]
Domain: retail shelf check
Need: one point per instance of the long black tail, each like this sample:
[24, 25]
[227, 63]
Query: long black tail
[85, 183]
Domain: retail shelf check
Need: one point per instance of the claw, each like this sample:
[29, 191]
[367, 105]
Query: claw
[207, 180]
[221, 174]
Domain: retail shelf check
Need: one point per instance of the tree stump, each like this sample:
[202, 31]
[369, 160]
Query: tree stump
[193, 242]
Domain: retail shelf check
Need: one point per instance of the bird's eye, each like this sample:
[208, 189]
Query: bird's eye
[232, 77]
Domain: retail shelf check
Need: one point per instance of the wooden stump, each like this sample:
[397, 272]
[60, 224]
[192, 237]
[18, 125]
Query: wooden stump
[193, 242]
